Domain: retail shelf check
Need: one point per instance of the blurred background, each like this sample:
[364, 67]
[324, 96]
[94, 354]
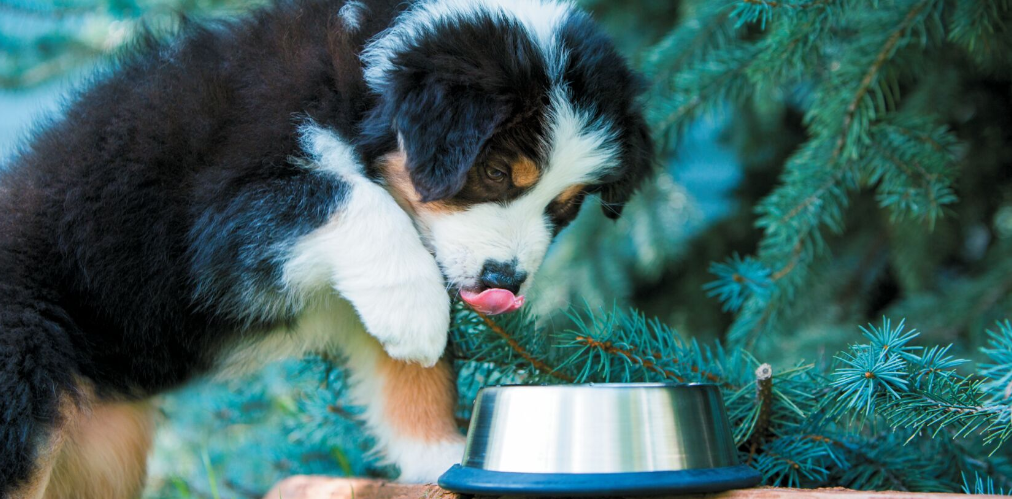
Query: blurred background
[812, 177]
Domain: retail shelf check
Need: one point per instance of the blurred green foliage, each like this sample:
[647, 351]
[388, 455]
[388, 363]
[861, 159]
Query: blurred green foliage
[45, 40]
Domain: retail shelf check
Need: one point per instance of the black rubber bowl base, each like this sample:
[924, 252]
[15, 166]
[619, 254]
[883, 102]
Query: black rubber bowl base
[465, 480]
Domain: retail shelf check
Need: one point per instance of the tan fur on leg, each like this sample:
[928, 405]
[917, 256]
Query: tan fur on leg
[408, 408]
[419, 401]
[105, 453]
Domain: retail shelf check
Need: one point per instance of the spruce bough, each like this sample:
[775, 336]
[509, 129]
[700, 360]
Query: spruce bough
[884, 414]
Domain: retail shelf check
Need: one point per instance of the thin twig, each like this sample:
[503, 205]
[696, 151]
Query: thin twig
[520, 350]
[764, 399]
[648, 364]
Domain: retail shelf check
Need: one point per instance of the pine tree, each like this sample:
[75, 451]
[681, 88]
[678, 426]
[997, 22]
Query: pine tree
[876, 86]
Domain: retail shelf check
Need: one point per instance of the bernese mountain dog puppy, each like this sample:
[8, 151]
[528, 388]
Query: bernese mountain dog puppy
[322, 175]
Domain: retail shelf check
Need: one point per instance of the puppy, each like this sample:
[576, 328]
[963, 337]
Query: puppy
[321, 175]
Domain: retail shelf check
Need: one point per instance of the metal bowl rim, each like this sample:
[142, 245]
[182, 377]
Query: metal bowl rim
[649, 385]
[705, 443]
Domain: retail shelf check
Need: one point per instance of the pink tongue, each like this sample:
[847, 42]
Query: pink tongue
[492, 301]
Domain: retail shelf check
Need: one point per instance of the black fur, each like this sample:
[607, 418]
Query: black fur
[452, 90]
[141, 232]
[601, 81]
[131, 225]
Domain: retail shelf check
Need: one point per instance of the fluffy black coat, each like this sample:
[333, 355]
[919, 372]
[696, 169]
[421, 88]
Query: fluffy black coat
[148, 186]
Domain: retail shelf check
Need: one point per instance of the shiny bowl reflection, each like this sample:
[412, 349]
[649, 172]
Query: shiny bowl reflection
[599, 428]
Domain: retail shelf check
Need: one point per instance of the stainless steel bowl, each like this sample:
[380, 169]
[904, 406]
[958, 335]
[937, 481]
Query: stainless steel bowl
[599, 439]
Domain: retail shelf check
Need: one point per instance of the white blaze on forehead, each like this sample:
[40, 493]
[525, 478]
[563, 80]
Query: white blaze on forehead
[580, 151]
[541, 19]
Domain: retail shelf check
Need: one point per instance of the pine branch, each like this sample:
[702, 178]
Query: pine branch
[763, 12]
[690, 42]
[704, 87]
[737, 280]
[870, 77]
[999, 368]
[831, 184]
[812, 195]
[817, 178]
[648, 364]
[981, 28]
[648, 360]
[905, 184]
[917, 389]
[520, 350]
[983, 485]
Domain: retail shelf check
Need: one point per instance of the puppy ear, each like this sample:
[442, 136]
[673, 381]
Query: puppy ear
[442, 133]
[637, 164]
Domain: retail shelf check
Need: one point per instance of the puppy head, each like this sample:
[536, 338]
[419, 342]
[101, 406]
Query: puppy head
[507, 115]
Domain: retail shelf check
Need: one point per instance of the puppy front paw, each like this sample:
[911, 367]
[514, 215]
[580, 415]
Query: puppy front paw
[413, 327]
[381, 266]
[407, 310]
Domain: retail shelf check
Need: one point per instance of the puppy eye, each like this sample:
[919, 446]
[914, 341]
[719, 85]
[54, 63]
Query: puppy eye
[495, 174]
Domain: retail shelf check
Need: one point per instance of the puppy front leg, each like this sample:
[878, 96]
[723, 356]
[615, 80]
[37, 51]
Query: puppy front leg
[395, 285]
[377, 261]
[408, 408]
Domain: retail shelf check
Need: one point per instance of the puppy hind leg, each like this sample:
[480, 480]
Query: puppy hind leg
[105, 453]
[409, 409]
[37, 391]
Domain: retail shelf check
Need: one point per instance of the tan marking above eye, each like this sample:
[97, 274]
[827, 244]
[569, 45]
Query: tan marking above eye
[570, 193]
[393, 168]
[524, 172]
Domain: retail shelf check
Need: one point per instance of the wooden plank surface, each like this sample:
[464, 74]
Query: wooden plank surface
[318, 487]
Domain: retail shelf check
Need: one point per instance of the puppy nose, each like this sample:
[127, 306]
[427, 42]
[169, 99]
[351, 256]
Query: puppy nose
[502, 275]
